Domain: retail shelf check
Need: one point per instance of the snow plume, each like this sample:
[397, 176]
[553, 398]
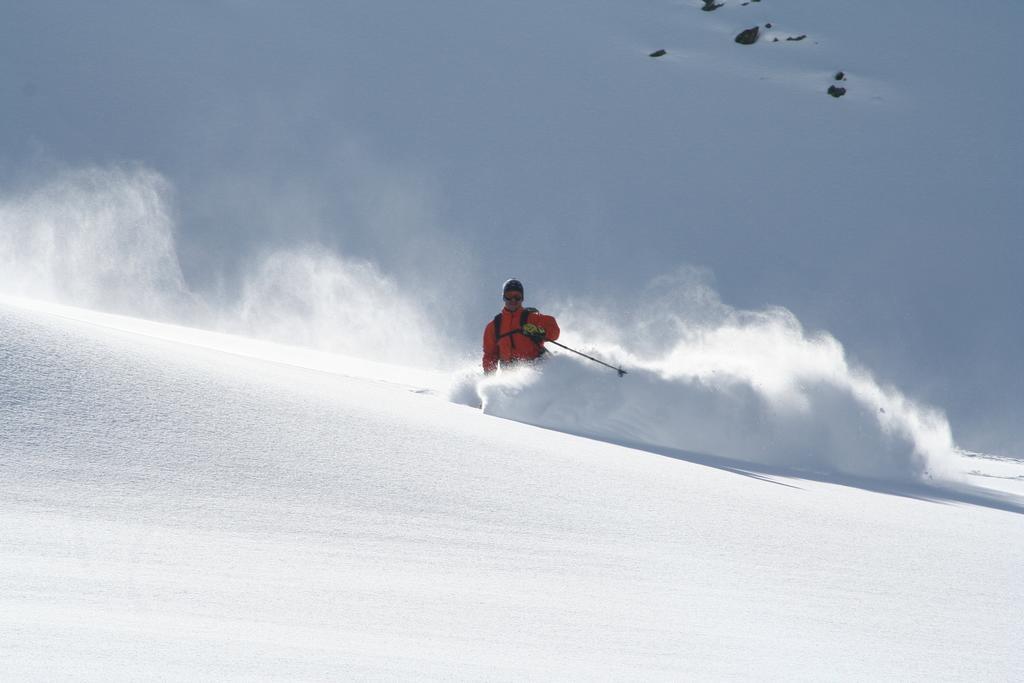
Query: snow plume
[103, 238]
[311, 297]
[96, 238]
[709, 379]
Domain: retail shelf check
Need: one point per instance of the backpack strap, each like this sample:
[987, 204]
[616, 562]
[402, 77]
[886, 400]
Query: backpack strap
[523, 317]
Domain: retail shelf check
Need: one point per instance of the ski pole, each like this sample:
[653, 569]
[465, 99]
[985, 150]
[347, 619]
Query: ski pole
[618, 370]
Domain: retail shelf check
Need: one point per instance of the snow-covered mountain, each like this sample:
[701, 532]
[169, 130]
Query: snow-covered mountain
[247, 251]
[299, 171]
[183, 504]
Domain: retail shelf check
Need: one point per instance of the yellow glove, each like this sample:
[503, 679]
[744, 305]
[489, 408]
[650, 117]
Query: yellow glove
[535, 332]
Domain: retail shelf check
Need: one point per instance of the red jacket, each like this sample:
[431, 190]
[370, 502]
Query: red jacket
[515, 346]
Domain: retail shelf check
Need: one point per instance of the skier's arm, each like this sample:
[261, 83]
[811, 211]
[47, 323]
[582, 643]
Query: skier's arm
[490, 360]
[548, 322]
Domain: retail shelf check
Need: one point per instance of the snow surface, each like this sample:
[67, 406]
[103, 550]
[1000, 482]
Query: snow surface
[286, 464]
[183, 504]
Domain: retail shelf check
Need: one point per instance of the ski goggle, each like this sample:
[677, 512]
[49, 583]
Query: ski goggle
[514, 297]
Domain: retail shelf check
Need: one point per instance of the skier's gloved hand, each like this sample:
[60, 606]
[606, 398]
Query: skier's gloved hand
[534, 332]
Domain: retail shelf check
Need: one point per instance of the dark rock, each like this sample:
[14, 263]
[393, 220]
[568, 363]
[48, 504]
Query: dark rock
[711, 5]
[748, 37]
[775, 40]
[767, 25]
[840, 76]
[658, 53]
[836, 92]
[799, 37]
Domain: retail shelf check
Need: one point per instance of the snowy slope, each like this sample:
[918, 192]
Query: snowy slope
[170, 508]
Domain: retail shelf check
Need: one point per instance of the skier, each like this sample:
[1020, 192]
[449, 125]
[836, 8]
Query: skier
[517, 334]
